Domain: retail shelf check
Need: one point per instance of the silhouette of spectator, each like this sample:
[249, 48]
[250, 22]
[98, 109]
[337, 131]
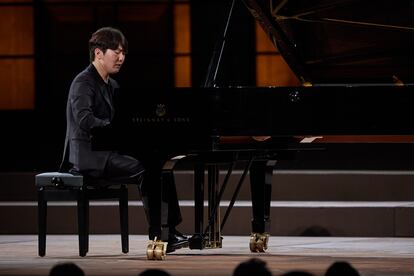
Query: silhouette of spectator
[154, 272]
[252, 267]
[66, 269]
[297, 273]
[341, 269]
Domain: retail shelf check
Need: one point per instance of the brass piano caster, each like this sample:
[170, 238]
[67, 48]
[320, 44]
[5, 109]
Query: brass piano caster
[156, 250]
[258, 242]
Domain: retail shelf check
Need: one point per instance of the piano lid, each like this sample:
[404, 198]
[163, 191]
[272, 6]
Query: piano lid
[342, 42]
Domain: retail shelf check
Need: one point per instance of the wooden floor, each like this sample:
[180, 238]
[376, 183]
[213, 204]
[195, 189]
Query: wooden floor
[371, 256]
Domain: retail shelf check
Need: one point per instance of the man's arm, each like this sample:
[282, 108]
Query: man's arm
[82, 104]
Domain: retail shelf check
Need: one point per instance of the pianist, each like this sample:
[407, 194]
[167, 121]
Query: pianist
[90, 105]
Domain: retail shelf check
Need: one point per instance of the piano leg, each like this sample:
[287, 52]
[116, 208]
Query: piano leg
[210, 237]
[197, 240]
[214, 232]
[261, 173]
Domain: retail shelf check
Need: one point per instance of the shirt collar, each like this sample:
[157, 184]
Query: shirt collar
[91, 68]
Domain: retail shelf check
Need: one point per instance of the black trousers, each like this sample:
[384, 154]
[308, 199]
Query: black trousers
[122, 166]
[146, 173]
[151, 194]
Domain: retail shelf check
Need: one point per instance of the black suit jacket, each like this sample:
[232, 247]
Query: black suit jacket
[89, 105]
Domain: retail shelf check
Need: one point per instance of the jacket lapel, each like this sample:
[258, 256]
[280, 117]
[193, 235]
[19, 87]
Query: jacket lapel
[105, 90]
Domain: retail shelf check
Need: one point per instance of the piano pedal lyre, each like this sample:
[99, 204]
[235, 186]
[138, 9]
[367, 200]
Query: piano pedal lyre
[156, 249]
[258, 242]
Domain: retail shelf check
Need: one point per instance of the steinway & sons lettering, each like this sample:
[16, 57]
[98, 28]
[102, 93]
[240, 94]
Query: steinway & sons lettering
[155, 120]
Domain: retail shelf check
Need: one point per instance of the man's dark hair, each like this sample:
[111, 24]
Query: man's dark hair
[252, 267]
[106, 38]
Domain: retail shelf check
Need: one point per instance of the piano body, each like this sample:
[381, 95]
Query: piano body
[355, 59]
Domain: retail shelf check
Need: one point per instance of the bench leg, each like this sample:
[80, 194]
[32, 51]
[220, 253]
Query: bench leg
[83, 214]
[123, 215]
[86, 226]
[42, 219]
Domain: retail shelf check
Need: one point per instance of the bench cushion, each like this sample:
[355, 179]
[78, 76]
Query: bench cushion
[58, 179]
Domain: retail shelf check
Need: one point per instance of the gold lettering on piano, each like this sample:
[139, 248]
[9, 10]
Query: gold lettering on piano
[160, 120]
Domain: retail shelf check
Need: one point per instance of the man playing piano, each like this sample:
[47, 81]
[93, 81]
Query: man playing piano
[89, 106]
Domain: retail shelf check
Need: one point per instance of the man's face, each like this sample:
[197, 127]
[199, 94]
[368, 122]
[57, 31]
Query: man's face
[112, 60]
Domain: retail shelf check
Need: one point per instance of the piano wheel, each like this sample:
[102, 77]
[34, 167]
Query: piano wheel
[258, 242]
[156, 250]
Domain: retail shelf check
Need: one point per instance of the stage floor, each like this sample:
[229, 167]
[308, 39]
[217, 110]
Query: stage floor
[371, 256]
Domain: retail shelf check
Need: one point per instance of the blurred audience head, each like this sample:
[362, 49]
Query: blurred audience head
[154, 272]
[66, 269]
[341, 269]
[252, 267]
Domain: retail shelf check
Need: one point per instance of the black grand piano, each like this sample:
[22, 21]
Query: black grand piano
[355, 60]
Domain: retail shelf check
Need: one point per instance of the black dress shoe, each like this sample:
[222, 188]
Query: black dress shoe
[176, 240]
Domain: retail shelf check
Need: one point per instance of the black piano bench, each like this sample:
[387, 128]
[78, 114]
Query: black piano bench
[56, 186]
